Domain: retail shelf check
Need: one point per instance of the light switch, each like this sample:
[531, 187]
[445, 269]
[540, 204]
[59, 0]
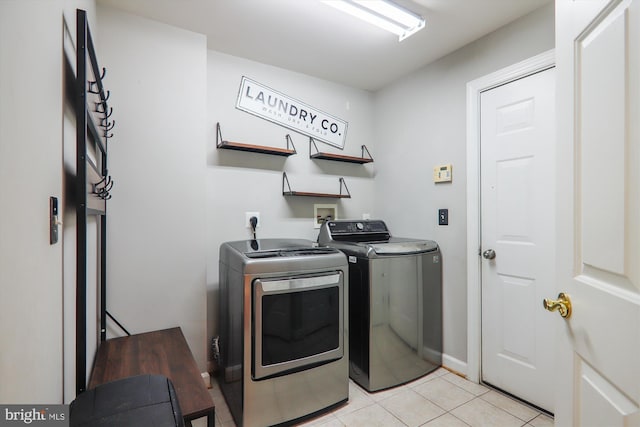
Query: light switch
[443, 216]
[54, 222]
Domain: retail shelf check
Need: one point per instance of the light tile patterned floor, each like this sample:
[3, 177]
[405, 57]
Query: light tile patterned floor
[440, 399]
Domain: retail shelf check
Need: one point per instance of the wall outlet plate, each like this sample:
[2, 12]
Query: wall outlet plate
[247, 217]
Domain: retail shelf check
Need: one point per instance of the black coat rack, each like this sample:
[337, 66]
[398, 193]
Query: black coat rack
[93, 184]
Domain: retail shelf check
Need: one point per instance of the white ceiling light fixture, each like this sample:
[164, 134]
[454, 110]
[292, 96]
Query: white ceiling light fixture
[382, 13]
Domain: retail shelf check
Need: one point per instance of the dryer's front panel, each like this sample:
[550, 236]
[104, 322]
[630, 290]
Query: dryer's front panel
[297, 323]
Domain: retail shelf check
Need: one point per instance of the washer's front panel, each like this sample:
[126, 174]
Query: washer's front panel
[401, 317]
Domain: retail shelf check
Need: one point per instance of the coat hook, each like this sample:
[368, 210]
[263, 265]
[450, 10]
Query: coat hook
[103, 194]
[104, 119]
[99, 78]
[100, 186]
[108, 126]
[95, 82]
[103, 191]
[104, 178]
[104, 106]
[109, 186]
[103, 109]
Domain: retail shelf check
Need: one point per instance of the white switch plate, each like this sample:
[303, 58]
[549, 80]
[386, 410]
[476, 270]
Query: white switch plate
[248, 215]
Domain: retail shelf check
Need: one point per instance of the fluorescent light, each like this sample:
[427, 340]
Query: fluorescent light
[382, 13]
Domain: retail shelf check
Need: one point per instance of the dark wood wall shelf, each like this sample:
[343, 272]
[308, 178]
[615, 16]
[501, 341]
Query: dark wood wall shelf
[288, 192]
[240, 146]
[339, 157]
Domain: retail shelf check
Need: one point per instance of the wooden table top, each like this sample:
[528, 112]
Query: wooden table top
[162, 352]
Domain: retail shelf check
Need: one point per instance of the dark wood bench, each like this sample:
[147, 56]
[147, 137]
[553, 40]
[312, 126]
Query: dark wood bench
[162, 352]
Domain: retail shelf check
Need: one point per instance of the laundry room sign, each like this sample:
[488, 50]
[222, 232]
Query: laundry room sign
[262, 101]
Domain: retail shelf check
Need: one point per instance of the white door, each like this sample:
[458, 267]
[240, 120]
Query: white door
[517, 139]
[598, 193]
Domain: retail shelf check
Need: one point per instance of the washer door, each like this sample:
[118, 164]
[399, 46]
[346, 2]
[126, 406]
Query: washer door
[297, 323]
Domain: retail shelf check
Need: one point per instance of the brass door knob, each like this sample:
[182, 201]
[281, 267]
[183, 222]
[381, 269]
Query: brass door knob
[562, 305]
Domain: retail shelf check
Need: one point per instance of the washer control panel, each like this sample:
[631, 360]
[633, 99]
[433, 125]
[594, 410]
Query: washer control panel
[364, 226]
[346, 230]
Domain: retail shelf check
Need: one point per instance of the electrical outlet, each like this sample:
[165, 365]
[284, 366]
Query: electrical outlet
[248, 215]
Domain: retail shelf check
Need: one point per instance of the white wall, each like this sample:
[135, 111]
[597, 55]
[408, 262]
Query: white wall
[420, 123]
[31, 147]
[238, 182]
[156, 218]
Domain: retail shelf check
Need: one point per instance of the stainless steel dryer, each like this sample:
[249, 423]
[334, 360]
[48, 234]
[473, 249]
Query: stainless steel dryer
[395, 302]
[283, 342]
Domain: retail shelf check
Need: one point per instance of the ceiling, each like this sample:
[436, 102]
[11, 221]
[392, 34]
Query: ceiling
[309, 37]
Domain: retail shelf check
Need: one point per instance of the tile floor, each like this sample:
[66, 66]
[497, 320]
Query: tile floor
[440, 399]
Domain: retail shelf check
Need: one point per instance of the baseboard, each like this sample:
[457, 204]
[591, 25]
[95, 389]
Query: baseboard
[430, 354]
[457, 366]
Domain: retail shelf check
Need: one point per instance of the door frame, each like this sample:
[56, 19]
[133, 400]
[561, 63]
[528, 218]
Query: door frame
[475, 88]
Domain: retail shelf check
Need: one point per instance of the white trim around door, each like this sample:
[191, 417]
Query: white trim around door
[529, 66]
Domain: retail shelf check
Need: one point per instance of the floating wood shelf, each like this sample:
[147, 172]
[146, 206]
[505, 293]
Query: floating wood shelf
[289, 192]
[339, 157]
[240, 146]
